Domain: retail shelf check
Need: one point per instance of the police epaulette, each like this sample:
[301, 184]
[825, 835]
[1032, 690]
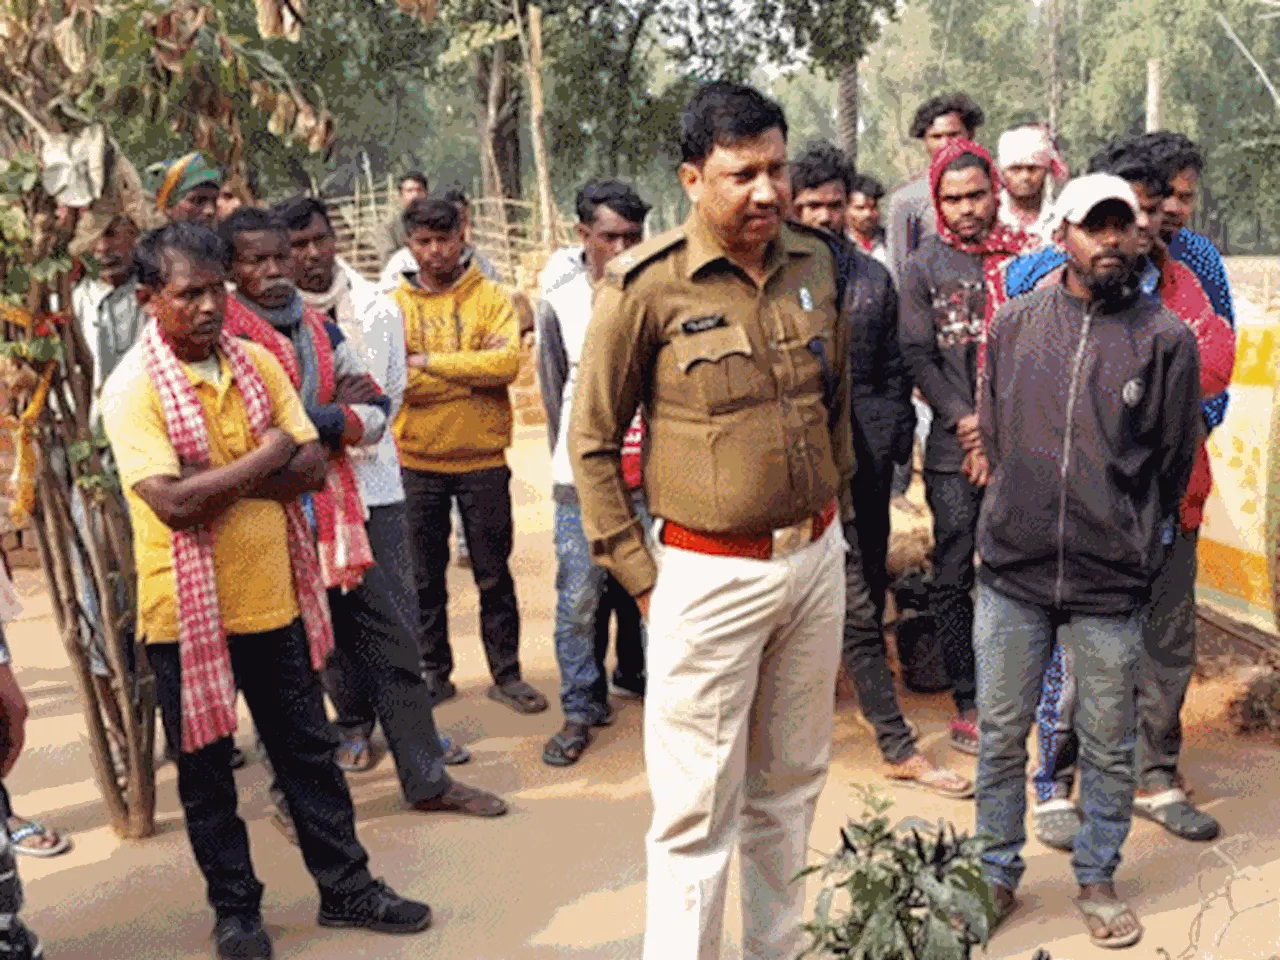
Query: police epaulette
[626, 265]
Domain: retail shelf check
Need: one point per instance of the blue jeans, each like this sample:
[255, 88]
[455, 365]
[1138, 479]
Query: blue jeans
[1013, 641]
[580, 584]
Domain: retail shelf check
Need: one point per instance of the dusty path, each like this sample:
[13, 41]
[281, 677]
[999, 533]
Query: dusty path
[562, 876]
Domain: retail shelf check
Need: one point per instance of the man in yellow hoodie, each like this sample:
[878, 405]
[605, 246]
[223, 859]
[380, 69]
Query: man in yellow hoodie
[462, 340]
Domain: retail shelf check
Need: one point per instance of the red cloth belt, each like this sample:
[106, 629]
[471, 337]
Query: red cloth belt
[750, 546]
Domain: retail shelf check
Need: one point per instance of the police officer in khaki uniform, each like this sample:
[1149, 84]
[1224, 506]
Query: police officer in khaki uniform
[725, 331]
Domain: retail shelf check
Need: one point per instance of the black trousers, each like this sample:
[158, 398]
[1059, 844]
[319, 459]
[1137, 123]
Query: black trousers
[484, 498]
[955, 503]
[628, 641]
[872, 491]
[375, 672]
[273, 671]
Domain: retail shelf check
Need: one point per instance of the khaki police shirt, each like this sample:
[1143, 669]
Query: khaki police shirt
[738, 435]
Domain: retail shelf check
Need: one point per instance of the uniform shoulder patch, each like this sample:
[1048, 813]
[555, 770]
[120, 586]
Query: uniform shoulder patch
[627, 265]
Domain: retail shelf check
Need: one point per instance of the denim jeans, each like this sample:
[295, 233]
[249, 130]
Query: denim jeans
[1013, 641]
[1164, 673]
[580, 584]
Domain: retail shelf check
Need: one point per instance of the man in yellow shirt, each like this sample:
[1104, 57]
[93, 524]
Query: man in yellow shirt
[214, 448]
[462, 339]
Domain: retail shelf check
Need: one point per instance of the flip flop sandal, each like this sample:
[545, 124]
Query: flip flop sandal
[567, 746]
[34, 828]
[964, 736]
[939, 781]
[1108, 911]
[1056, 823]
[519, 696]
[355, 755]
[455, 754]
[1173, 811]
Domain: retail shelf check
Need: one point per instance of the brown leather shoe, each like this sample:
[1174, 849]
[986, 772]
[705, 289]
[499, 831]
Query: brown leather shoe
[469, 801]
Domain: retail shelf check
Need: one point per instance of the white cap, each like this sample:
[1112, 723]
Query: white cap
[1081, 195]
[1029, 146]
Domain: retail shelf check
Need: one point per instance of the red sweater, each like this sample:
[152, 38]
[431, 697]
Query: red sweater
[1182, 293]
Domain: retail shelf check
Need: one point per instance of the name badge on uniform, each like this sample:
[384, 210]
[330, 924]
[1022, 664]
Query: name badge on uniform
[806, 298]
[702, 324]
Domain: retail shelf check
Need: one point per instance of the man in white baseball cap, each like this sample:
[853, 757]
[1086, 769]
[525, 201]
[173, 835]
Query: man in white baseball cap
[1089, 413]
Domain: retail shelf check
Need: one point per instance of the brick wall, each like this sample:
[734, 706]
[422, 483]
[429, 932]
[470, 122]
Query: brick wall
[526, 398]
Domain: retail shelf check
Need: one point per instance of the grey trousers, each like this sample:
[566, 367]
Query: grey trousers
[1165, 667]
[374, 671]
[866, 660]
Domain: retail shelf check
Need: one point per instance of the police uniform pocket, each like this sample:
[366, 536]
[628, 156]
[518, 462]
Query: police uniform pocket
[719, 364]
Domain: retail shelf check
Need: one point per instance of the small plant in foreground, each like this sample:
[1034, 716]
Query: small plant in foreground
[911, 891]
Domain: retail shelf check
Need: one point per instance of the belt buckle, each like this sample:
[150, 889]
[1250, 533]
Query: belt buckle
[793, 539]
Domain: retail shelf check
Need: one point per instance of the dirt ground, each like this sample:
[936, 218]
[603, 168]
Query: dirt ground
[562, 875]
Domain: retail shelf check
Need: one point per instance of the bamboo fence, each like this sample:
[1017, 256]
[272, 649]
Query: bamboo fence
[508, 232]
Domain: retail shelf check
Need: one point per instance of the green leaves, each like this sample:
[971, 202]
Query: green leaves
[910, 892]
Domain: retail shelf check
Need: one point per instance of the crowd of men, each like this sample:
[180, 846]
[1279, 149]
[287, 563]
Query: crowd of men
[730, 408]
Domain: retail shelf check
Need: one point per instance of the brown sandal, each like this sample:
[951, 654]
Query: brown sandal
[519, 696]
[460, 798]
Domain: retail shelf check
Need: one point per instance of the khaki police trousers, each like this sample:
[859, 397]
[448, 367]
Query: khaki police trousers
[743, 657]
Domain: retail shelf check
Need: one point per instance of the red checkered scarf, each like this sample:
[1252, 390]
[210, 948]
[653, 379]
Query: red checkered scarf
[997, 248]
[342, 540]
[208, 687]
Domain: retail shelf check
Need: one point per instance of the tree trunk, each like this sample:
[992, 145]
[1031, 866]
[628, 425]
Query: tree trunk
[1054, 65]
[499, 124]
[847, 111]
[531, 50]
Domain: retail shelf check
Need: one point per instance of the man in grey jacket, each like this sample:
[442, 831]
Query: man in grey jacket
[1089, 413]
[909, 218]
[610, 220]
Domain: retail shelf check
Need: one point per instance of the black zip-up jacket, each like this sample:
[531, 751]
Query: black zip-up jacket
[1090, 419]
[879, 384]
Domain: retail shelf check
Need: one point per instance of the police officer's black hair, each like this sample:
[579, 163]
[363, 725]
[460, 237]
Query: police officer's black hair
[821, 162]
[153, 256]
[418, 177]
[971, 114]
[969, 161]
[250, 220]
[723, 113]
[1175, 152]
[435, 214]
[867, 185]
[1133, 159]
[619, 197]
[298, 212]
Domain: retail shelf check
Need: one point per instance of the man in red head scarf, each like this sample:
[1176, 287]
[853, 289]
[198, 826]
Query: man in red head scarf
[951, 285]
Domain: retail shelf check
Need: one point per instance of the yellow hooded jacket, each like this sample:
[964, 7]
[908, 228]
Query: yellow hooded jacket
[456, 416]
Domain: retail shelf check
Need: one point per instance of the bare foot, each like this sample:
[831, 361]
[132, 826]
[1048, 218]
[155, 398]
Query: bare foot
[1122, 923]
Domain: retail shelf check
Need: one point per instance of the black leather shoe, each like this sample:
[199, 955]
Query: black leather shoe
[377, 908]
[241, 938]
